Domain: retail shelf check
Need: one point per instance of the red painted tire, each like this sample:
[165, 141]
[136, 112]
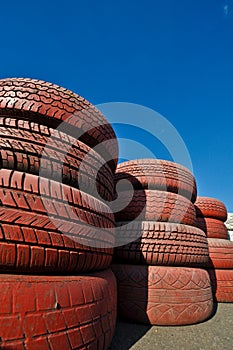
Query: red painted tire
[162, 295]
[211, 208]
[22, 150]
[50, 104]
[26, 249]
[156, 206]
[29, 239]
[162, 244]
[221, 253]
[222, 284]
[159, 175]
[213, 228]
[57, 312]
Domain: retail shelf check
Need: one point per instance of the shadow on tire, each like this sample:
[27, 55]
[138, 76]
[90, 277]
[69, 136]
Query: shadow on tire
[127, 334]
[214, 284]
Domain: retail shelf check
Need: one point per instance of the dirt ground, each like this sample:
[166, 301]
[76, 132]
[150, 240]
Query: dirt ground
[216, 333]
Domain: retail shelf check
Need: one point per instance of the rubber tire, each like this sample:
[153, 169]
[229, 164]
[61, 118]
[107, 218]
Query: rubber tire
[211, 208]
[221, 253]
[24, 192]
[50, 104]
[213, 228]
[162, 244]
[162, 295]
[58, 312]
[24, 249]
[29, 240]
[22, 150]
[159, 175]
[156, 206]
[222, 285]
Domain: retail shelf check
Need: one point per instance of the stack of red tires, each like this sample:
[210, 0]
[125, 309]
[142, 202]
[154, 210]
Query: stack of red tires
[160, 263]
[211, 215]
[56, 234]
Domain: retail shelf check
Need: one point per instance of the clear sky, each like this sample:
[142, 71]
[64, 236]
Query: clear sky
[173, 56]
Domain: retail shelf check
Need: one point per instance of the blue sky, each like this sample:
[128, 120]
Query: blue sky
[173, 56]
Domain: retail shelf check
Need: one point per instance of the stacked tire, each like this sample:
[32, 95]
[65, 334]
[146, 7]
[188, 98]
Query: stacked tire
[211, 215]
[58, 158]
[159, 263]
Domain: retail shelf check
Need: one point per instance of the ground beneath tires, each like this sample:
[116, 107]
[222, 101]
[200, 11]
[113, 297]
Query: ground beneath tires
[216, 333]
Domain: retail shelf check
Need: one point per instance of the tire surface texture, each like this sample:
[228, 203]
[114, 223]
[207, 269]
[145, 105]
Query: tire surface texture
[51, 313]
[222, 285]
[159, 175]
[50, 104]
[23, 145]
[221, 253]
[32, 241]
[211, 208]
[162, 295]
[155, 205]
[162, 244]
[213, 228]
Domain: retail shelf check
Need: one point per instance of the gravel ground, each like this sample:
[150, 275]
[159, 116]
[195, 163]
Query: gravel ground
[216, 333]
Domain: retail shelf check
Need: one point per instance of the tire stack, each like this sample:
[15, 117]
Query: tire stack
[161, 254]
[56, 235]
[211, 215]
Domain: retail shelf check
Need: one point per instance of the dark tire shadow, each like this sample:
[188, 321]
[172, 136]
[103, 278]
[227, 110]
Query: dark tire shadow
[127, 334]
[214, 285]
[127, 331]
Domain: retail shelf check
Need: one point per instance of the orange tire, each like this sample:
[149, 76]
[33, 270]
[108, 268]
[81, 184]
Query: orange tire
[222, 285]
[211, 208]
[221, 253]
[213, 228]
